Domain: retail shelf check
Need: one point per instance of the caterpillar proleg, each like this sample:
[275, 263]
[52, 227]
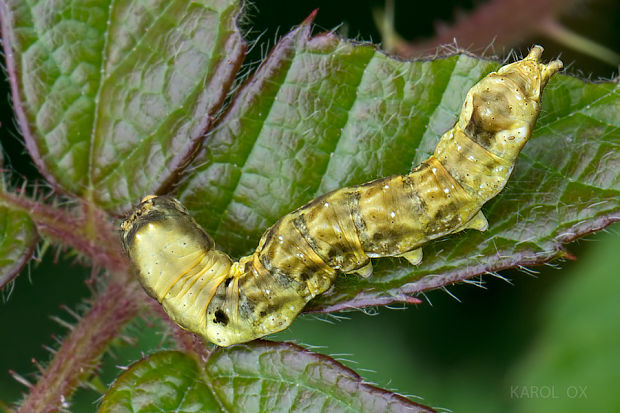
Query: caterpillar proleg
[227, 302]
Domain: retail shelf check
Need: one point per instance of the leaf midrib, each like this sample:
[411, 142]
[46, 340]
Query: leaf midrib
[105, 75]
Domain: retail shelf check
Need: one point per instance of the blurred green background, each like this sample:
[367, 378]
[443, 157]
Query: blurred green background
[547, 342]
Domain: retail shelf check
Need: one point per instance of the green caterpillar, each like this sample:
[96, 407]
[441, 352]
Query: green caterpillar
[228, 302]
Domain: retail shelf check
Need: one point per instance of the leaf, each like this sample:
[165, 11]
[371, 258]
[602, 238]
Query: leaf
[259, 376]
[113, 97]
[18, 238]
[322, 112]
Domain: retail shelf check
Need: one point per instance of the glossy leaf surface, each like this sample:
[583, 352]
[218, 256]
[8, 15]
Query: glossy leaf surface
[256, 377]
[113, 97]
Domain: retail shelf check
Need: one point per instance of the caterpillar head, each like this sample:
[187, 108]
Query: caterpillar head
[162, 240]
[157, 211]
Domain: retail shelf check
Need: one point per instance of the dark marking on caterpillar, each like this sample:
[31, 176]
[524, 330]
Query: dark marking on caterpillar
[220, 318]
[228, 302]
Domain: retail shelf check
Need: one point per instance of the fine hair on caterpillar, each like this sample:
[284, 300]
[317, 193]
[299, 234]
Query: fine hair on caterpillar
[204, 291]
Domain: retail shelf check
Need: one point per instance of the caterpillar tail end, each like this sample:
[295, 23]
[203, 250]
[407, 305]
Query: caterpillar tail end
[546, 70]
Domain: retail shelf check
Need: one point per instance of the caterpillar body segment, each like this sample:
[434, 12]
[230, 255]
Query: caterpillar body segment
[175, 259]
[228, 302]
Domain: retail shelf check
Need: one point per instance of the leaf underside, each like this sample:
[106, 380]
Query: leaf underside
[259, 376]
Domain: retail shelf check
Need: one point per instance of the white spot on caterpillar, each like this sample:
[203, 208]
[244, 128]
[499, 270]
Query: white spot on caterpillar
[392, 214]
[326, 204]
[386, 187]
[446, 190]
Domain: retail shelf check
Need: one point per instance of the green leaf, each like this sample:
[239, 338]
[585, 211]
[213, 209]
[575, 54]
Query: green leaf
[18, 238]
[322, 113]
[166, 381]
[256, 377]
[113, 97]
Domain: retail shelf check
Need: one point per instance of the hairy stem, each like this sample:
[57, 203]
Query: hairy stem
[86, 228]
[82, 348]
[506, 21]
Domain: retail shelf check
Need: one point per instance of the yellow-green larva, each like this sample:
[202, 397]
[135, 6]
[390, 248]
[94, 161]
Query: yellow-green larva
[228, 302]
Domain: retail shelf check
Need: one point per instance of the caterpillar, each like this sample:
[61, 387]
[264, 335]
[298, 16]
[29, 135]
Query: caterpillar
[206, 292]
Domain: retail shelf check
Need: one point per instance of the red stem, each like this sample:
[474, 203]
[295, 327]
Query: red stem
[508, 22]
[81, 350]
[93, 236]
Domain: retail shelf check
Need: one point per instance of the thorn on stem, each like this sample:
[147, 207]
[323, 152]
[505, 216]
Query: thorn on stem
[37, 365]
[20, 379]
[62, 322]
